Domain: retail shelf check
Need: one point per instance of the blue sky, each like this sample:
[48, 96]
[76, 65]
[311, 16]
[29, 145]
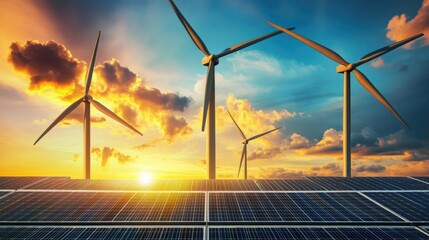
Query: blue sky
[275, 76]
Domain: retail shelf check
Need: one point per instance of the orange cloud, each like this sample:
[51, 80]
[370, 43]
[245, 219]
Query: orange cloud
[51, 67]
[399, 28]
[379, 62]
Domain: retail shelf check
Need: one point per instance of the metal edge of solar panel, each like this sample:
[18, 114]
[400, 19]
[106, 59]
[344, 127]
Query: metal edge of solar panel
[319, 232]
[102, 206]
[424, 179]
[413, 206]
[296, 207]
[101, 232]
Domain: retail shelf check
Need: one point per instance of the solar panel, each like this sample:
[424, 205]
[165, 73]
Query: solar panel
[15, 232]
[102, 206]
[414, 206]
[2, 193]
[178, 207]
[354, 232]
[295, 207]
[17, 182]
[369, 183]
[288, 185]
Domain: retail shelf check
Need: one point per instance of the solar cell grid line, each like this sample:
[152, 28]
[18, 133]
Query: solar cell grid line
[61, 206]
[100, 233]
[413, 206]
[160, 206]
[302, 232]
[13, 183]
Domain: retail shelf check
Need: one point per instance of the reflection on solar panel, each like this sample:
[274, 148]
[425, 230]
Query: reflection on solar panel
[289, 185]
[177, 207]
[295, 207]
[354, 232]
[158, 185]
[17, 182]
[102, 206]
[414, 206]
[369, 183]
[101, 233]
[2, 193]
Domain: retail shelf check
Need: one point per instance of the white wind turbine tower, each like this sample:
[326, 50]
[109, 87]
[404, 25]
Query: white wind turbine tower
[87, 100]
[211, 60]
[346, 68]
[245, 142]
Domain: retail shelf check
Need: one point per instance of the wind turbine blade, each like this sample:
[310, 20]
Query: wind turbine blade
[363, 80]
[66, 112]
[384, 50]
[208, 94]
[262, 134]
[241, 161]
[109, 113]
[239, 129]
[242, 45]
[322, 49]
[194, 36]
[91, 66]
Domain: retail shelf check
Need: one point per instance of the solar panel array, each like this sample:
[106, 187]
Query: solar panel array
[305, 208]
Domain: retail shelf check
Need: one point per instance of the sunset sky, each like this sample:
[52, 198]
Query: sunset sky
[149, 72]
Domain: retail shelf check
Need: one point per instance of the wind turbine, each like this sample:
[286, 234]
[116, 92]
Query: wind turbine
[245, 142]
[87, 100]
[346, 68]
[211, 60]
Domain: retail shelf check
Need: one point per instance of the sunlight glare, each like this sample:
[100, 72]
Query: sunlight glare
[145, 178]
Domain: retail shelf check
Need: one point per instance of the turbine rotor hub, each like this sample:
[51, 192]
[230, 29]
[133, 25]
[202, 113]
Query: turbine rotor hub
[87, 98]
[207, 59]
[341, 68]
[245, 141]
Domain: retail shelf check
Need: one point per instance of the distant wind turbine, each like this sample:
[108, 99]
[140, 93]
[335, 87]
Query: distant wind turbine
[245, 142]
[211, 60]
[346, 68]
[87, 99]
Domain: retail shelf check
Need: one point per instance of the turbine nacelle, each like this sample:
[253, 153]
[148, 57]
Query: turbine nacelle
[341, 68]
[210, 58]
[245, 141]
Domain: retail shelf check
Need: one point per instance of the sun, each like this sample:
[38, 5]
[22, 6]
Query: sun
[145, 178]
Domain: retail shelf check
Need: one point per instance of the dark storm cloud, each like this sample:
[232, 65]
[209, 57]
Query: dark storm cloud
[46, 63]
[107, 153]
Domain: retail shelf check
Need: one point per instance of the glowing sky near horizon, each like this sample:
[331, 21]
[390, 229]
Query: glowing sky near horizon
[150, 73]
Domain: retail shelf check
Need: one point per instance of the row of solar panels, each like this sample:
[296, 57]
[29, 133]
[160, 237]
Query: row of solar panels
[256, 233]
[303, 184]
[215, 207]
